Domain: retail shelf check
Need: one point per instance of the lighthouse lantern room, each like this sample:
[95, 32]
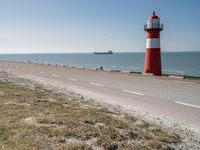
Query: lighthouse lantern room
[153, 57]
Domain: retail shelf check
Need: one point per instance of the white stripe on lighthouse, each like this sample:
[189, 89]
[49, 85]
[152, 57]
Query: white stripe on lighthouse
[153, 43]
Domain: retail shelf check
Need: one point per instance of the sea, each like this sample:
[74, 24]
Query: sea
[176, 63]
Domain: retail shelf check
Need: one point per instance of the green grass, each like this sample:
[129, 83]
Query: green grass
[40, 119]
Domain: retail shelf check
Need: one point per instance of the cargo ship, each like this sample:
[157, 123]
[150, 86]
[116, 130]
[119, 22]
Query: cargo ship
[109, 52]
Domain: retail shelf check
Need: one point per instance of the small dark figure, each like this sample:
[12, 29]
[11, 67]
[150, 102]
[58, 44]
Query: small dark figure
[101, 68]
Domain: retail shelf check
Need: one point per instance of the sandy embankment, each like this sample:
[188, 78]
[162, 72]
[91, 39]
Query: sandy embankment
[190, 140]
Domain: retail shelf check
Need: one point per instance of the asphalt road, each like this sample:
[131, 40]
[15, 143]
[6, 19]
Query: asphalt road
[176, 99]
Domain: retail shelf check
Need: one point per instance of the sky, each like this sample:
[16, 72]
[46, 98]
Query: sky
[72, 26]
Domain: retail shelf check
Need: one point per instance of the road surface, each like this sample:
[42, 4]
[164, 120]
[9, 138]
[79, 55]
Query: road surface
[174, 99]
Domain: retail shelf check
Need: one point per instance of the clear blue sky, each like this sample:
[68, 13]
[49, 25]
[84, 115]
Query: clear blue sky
[34, 26]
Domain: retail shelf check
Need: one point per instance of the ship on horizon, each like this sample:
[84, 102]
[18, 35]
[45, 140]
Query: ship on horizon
[109, 52]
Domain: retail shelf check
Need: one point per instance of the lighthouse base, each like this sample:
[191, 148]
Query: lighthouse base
[153, 61]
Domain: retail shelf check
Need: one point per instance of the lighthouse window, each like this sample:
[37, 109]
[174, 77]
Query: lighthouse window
[153, 23]
[156, 23]
[149, 24]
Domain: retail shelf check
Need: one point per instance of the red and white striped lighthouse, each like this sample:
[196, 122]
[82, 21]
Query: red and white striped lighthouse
[153, 56]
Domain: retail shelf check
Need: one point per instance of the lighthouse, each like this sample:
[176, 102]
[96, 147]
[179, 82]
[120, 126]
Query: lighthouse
[153, 57]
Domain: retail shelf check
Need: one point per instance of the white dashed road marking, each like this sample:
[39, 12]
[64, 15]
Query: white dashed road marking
[72, 79]
[186, 82]
[54, 75]
[96, 84]
[181, 103]
[136, 93]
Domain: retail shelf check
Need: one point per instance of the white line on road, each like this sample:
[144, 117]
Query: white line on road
[96, 84]
[141, 94]
[187, 82]
[54, 75]
[42, 72]
[187, 104]
[72, 79]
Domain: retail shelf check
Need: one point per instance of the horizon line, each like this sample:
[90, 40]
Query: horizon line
[90, 52]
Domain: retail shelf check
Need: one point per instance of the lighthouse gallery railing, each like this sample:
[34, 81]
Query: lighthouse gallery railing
[153, 26]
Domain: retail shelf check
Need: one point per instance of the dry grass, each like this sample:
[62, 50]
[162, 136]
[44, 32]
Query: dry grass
[39, 119]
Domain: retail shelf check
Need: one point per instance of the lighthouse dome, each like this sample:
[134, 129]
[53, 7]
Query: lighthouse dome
[153, 16]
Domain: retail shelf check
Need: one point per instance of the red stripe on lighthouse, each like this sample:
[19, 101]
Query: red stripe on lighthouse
[153, 61]
[153, 33]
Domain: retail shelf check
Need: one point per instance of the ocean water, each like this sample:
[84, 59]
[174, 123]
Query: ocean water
[179, 63]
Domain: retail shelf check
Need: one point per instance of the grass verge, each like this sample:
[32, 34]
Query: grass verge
[40, 119]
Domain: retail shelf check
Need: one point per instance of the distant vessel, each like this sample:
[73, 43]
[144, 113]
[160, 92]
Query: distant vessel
[109, 52]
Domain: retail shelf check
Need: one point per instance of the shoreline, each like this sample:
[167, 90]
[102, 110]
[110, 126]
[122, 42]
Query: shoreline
[164, 75]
